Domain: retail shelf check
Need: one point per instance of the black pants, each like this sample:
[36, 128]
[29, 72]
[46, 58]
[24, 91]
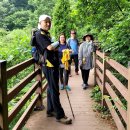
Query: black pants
[53, 101]
[76, 62]
[85, 75]
[64, 76]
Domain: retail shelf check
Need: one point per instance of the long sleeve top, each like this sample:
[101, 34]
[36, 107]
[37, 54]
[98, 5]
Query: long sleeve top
[85, 55]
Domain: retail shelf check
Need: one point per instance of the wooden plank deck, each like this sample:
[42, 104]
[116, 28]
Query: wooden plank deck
[85, 118]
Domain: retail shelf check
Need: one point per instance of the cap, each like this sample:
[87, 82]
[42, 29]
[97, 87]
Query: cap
[44, 17]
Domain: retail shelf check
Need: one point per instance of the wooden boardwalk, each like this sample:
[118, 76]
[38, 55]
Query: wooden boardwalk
[85, 118]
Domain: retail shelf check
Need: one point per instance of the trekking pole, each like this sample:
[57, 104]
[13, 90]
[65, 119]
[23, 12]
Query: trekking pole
[65, 60]
[70, 103]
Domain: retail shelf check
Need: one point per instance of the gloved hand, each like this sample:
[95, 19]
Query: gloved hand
[55, 44]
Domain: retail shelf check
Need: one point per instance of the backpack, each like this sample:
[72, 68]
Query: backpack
[38, 57]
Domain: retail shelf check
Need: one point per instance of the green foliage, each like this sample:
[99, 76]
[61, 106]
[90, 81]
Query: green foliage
[61, 18]
[109, 22]
[96, 94]
[20, 4]
[16, 14]
[5, 9]
[98, 107]
[39, 7]
[17, 20]
[15, 46]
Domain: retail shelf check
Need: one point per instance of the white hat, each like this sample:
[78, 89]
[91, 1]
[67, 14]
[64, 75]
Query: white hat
[43, 17]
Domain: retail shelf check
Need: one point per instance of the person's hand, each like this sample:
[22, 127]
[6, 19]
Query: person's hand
[71, 51]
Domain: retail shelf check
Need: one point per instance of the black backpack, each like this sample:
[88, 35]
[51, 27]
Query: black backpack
[38, 57]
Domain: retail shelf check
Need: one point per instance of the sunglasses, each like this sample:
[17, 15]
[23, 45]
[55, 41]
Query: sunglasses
[73, 33]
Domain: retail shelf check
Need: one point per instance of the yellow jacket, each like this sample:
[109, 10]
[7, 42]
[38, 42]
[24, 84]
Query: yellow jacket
[65, 58]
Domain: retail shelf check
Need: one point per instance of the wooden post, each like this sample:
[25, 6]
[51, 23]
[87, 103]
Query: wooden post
[128, 111]
[104, 80]
[39, 104]
[94, 61]
[3, 97]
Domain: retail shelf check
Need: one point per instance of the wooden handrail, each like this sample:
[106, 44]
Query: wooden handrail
[100, 75]
[120, 68]
[99, 64]
[21, 66]
[18, 87]
[22, 101]
[117, 102]
[115, 116]
[120, 87]
[109, 81]
[99, 83]
[5, 97]
[100, 54]
[25, 115]
[128, 109]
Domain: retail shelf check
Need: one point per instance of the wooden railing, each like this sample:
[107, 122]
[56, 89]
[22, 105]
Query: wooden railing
[6, 117]
[112, 88]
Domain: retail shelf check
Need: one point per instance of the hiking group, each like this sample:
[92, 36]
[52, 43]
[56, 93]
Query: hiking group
[56, 59]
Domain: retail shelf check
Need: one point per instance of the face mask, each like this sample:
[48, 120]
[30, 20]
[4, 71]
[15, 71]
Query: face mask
[87, 40]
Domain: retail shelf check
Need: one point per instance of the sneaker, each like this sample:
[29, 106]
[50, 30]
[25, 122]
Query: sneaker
[61, 87]
[51, 114]
[68, 87]
[85, 86]
[65, 120]
[39, 108]
[82, 84]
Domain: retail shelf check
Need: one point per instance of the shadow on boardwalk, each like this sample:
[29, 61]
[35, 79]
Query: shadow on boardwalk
[85, 118]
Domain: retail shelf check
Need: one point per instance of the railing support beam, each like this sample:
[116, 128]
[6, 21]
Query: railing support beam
[128, 102]
[104, 91]
[94, 60]
[3, 97]
[39, 103]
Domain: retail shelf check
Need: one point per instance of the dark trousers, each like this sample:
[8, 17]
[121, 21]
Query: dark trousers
[53, 101]
[85, 75]
[64, 76]
[76, 62]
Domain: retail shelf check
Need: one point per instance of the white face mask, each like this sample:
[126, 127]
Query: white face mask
[87, 40]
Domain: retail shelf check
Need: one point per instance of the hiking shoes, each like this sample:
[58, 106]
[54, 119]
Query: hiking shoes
[51, 114]
[85, 86]
[65, 120]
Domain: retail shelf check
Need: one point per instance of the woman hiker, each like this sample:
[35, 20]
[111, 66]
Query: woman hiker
[64, 72]
[86, 58]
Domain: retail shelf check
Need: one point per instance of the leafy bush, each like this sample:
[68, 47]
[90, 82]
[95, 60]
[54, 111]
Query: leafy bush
[15, 46]
[96, 94]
